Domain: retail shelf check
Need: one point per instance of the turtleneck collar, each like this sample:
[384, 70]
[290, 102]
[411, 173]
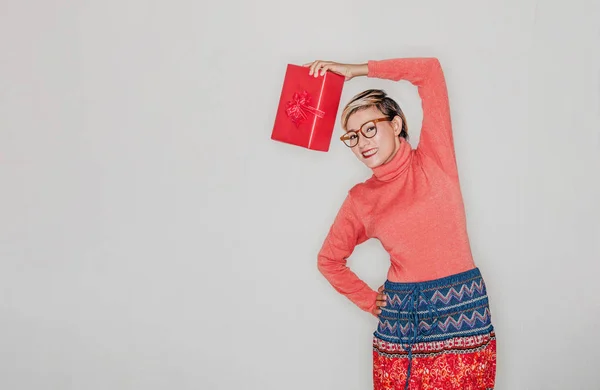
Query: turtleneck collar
[397, 165]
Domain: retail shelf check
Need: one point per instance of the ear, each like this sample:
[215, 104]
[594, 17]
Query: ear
[397, 124]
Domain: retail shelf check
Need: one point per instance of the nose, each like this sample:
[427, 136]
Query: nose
[362, 141]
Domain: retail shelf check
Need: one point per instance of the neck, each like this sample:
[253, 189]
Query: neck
[396, 165]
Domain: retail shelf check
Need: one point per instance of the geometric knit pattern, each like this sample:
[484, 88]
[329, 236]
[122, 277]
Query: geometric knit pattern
[436, 334]
[463, 322]
[448, 307]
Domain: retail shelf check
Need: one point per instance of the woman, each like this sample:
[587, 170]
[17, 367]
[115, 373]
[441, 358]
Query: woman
[434, 329]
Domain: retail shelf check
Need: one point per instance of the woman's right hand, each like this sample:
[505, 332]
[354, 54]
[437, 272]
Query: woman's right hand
[347, 70]
[380, 302]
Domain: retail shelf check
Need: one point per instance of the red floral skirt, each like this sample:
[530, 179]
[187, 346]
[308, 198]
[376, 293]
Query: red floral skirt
[435, 335]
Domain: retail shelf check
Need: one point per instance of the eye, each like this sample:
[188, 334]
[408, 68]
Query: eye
[352, 136]
[370, 129]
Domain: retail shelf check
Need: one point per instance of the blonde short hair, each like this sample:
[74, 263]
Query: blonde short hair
[375, 98]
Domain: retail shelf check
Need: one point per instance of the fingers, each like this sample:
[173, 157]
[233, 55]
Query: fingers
[325, 68]
[318, 67]
[311, 65]
[376, 311]
[381, 301]
[382, 295]
[314, 69]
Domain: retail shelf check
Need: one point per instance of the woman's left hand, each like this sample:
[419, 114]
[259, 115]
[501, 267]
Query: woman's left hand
[380, 301]
[349, 71]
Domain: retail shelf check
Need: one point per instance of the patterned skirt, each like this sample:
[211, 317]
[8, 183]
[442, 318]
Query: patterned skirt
[435, 335]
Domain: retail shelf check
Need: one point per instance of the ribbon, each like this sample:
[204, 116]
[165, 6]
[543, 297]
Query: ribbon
[298, 108]
[411, 303]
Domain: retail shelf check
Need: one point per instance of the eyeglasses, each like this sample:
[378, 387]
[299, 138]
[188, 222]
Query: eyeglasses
[368, 130]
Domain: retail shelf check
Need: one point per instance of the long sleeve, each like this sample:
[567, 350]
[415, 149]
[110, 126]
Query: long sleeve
[344, 235]
[436, 140]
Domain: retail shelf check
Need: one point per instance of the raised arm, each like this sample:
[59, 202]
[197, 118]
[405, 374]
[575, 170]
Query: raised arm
[344, 235]
[436, 140]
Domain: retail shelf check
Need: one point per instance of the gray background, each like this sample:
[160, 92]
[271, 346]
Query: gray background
[152, 236]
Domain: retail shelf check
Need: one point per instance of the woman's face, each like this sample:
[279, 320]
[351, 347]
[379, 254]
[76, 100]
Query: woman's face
[380, 149]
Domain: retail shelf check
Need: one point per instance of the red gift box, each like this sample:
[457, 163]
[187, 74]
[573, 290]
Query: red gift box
[307, 108]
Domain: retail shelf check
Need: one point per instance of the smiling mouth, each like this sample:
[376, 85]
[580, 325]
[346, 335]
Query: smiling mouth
[369, 153]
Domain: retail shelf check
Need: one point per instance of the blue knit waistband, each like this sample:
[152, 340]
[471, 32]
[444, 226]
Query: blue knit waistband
[434, 284]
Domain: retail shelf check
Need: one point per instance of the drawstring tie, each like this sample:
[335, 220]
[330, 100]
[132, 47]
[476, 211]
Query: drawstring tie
[411, 304]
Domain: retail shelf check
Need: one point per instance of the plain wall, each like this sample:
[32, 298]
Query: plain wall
[152, 235]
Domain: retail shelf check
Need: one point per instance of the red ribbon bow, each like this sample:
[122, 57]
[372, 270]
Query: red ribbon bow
[298, 107]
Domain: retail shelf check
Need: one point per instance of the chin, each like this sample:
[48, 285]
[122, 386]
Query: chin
[372, 163]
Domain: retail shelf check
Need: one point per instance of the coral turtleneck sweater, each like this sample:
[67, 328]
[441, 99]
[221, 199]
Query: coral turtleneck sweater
[413, 204]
